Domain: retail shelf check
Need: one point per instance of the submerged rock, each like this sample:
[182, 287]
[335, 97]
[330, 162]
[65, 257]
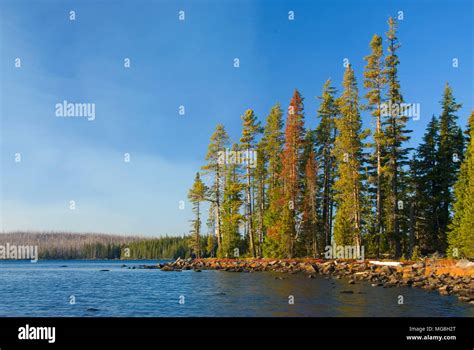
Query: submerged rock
[167, 268]
[444, 290]
[311, 268]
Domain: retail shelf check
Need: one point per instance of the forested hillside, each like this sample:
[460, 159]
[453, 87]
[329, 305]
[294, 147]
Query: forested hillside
[56, 245]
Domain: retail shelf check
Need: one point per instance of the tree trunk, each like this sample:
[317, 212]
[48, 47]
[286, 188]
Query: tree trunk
[379, 228]
[218, 209]
[249, 213]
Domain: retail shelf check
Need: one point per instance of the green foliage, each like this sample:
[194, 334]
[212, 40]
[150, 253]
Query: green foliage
[325, 136]
[272, 248]
[272, 147]
[211, 246]
[304, 179]
[450, 155]
[216, 167]
[100, 246]
[435, 169]
[348, 153]
[427, 177]
[250, 129]
[291, 174]
[375, 81]
[309, 241]
[396, 158]
[158, 248]
[461, 230]
[416, 255]
[231, 216]
[197, 195]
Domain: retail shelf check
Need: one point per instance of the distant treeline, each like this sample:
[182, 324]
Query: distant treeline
[58, 245]
[158, 248]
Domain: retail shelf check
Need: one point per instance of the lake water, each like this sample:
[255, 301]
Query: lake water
[46, 288]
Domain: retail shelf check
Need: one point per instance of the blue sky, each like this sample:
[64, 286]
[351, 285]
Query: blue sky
[186, 63]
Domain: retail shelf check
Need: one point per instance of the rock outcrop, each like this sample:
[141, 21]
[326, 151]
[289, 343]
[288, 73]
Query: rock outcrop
[451, 279]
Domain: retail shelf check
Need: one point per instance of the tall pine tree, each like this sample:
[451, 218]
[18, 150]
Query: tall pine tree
[450, 153]
[375, 82]
[309, 239]
[290, 172]
[197, 195]
[325, 138]
[231, 203]
[250, 130]
[395, 136]
[461, 230]
[273, 145]
[349, 156]
[261, 200]
[426, 172]
[216, 167]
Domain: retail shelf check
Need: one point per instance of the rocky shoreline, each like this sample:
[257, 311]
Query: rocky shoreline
[447, 277]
